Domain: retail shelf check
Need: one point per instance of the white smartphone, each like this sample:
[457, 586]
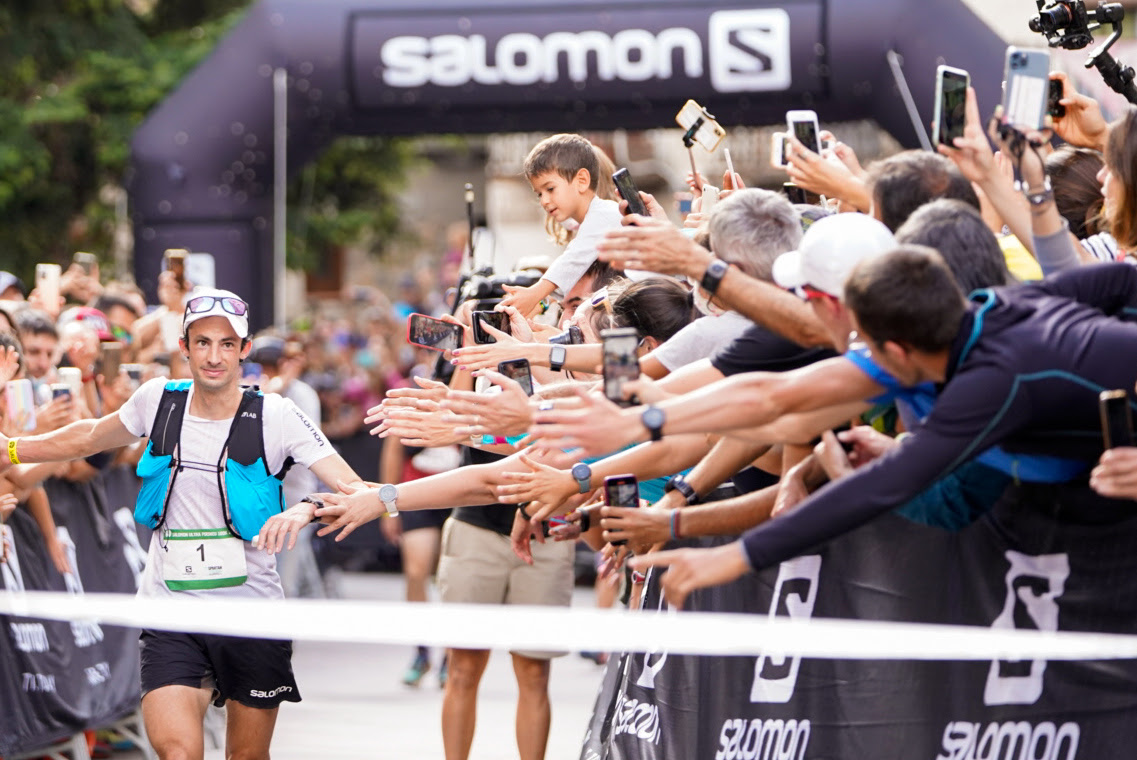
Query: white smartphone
[47, 283]
[729, 164]
[1026, 85]
[710, 198]
[951, 102]
[709, 133]
[803, 126]
[21, 404]
[778, 155]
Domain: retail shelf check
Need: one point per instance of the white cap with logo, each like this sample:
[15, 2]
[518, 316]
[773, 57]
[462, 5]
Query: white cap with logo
[211, 302]
[830, 249]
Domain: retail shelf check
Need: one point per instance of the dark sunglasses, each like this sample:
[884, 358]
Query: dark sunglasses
[202, 304]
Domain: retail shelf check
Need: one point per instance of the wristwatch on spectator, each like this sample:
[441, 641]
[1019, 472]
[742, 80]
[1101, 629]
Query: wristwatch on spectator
[582, 474]
[389, 495]
[679, 483]
[716, 270]
[557, 356]
[653, 419]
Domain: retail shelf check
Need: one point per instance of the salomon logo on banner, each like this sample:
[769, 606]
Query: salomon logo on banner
[750, 50]
[775, 673]
[1034, 584]
[727, 51]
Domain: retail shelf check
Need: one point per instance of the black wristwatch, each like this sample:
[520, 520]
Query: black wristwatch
[716, 270]
[557, 355]
[653, 419]
[582, 474]
[680, 484]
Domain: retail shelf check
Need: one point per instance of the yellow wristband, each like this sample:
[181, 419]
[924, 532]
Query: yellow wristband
[12, 451]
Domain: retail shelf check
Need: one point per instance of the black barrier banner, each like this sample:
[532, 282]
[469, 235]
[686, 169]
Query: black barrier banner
[57, 678]
[1014, 569]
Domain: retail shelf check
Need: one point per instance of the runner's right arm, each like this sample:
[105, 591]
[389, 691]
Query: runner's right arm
[81, 438]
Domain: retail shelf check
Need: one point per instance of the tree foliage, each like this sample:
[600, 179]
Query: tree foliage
[81, 75]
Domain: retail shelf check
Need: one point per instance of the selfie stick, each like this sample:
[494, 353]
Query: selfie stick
[689, 141]
[470, 222]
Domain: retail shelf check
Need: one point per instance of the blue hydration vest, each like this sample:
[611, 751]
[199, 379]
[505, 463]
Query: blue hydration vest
[250, 494]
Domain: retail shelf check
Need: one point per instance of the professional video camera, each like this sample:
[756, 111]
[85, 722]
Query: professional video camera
[484, 284]
[1068, 24]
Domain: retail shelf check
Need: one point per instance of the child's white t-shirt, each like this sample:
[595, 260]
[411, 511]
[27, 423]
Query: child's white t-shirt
[579, 254]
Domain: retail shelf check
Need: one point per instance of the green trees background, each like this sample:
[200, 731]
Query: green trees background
[80, 75]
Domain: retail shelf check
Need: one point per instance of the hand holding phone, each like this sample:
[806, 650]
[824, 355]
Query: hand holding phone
[629, 192]
[435, 334]
[1116, 419]
[803, 125]
[1026, 86]
[951, 99]
[621, 363]
[498, 320]
[88, 261]
[174, 260]
[621, 491]
[518, 370]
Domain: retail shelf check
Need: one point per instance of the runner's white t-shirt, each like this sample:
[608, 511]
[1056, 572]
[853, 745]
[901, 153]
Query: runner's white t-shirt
[195, 501]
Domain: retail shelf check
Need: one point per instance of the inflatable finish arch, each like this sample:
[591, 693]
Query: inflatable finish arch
[202, 161]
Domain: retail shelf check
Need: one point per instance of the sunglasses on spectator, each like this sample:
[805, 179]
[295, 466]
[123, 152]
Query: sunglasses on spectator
[202, 304]
[600, 298]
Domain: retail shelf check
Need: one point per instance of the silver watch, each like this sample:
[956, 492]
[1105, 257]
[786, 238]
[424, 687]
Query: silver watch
[389, 495]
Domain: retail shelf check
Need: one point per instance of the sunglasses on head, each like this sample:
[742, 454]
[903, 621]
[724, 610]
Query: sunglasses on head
[600, 299]
[202, 304]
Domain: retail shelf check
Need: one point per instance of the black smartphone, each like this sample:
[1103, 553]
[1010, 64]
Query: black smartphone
[60, 390]
[797, 194]
[1055, 94]
[499, 320]
[628, 191]
[573, 336]
[518, 369]
[951, 104]
[621, 363]
[432, 333]
[1116, 419]
[621, 491]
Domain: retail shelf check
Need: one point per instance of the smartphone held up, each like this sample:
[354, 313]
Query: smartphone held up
[621, 362]
[951, 100]
[435, 334]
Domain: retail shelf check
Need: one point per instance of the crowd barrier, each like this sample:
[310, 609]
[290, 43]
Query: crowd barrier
[1009, 640]
[59, 678]
[1015, 570]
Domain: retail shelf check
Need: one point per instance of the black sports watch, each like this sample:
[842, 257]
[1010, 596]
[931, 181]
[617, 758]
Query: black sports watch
[653, 419]
[716, 270]
[680, 484]
[582, 474]
[557, 356]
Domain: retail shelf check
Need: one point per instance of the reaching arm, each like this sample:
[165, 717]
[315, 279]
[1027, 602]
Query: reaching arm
[75, 441]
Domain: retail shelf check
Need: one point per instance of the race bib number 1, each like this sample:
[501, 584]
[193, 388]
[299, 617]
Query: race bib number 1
[203, 559]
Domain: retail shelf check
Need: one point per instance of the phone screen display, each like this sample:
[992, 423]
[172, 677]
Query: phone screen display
[628, 191]
[21, 404]
[951, 107]
[498, 320]
[1056, 93]
[432, 333]
[621, 491]
[806, 133]
[620, 362]
[1116, 419]
[518, 370]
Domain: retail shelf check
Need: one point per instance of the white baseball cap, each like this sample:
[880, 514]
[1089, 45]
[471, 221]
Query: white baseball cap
[211, 302]
[829, 250]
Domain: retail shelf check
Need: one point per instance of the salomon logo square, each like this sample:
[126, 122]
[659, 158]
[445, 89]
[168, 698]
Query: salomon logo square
[749, 50]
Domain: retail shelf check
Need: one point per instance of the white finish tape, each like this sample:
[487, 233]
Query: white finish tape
[560, 628]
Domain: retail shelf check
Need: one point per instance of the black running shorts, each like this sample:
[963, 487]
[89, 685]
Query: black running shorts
[253, 672]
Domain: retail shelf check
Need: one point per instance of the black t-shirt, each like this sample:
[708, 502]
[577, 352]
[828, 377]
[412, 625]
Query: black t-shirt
[759, 350]
[495, 517]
